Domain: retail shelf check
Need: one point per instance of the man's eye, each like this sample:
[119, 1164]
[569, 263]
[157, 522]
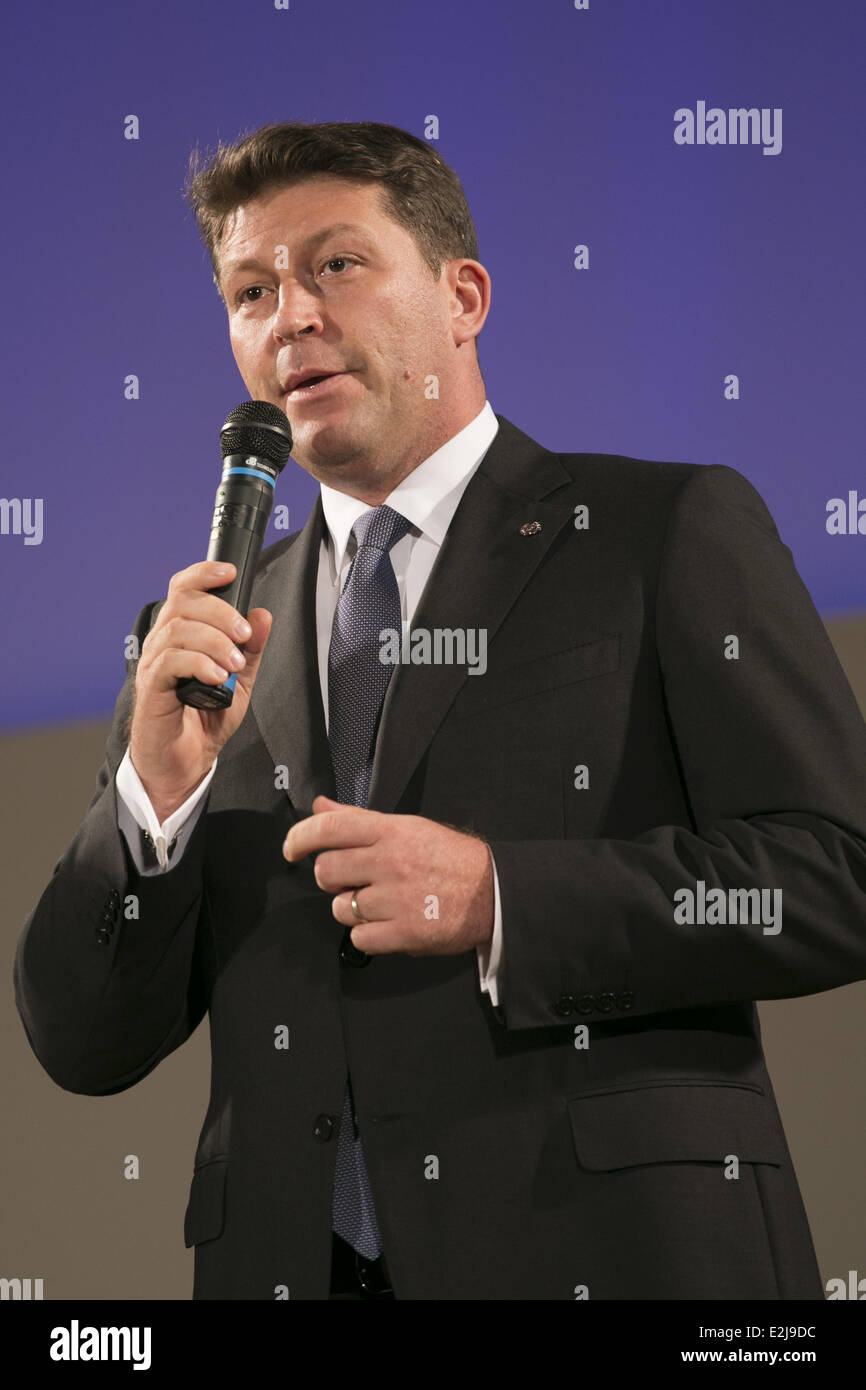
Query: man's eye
[339, 260]
[251, 289]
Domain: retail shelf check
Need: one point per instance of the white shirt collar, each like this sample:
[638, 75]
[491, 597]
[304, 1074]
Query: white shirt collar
[428, 497]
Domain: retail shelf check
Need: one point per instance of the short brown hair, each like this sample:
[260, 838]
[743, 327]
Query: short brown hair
[420, 191]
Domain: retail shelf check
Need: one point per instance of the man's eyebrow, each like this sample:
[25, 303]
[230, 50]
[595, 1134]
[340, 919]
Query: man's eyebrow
[337, 229]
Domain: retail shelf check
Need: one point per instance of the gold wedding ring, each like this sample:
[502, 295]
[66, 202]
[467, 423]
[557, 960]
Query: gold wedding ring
[355, 907]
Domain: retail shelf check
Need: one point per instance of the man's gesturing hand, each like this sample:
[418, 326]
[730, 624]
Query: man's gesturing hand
[422, 888]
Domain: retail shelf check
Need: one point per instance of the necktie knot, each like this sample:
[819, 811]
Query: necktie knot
[380, 528]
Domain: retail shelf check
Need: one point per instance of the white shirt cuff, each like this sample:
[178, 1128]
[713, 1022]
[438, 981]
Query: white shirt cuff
[134, 809]
[490, 957]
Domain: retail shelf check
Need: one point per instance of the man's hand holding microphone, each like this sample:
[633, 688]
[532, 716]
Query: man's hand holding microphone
[173, 745]
[193, 684]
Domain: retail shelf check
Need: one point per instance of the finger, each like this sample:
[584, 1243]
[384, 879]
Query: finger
[344, 828]
[382, 938]
[336, 870]
[197, 606]
[183, 635]
[366, 898]
[205, 574]
[173, 664]
[261, 622]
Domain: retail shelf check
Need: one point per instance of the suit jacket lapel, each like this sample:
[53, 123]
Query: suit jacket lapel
[287, 699]
[481, 568]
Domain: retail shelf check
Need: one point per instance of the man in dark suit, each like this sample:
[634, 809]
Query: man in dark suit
[489, 1014]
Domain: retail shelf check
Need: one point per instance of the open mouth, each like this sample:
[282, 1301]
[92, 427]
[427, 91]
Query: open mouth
[312, 383]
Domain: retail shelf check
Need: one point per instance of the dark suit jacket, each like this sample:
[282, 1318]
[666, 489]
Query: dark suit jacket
[559, 1167]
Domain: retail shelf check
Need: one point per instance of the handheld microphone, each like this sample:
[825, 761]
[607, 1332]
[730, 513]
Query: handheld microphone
[256, 442]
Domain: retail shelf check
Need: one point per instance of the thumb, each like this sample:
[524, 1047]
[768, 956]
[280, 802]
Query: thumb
[261, 621]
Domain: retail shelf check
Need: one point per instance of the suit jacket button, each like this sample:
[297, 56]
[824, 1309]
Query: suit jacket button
[564, 1006]
[625, 1000]
[323, 1128]
[350, 955]
[605, 1003]
[102, 937]
[585, 1004]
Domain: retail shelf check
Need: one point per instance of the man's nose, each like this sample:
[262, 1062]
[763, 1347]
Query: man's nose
[298, 311]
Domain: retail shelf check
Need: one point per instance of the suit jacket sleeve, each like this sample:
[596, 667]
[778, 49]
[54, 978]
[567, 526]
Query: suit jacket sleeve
[108, 968]
[772, 755]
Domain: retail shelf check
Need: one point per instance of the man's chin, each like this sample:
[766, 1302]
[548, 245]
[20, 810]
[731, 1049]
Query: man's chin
[326, 439]
[327, 449]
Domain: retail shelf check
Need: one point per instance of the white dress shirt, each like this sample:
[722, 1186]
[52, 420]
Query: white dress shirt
[428, 498]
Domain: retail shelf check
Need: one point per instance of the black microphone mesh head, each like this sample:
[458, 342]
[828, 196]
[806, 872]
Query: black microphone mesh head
[259, 428]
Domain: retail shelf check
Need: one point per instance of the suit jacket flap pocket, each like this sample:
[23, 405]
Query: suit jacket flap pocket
[698, 1122]
[205, 1213]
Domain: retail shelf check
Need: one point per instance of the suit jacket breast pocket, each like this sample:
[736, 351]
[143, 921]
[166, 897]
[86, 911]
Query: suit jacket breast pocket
[205, 1213]
[547, 671]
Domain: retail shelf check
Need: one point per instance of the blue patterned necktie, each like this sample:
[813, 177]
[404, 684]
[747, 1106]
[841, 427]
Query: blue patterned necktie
[357, 682]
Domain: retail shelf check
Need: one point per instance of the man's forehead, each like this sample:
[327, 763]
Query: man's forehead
[303, 212]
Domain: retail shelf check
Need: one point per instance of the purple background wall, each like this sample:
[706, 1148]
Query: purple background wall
[704, 261]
